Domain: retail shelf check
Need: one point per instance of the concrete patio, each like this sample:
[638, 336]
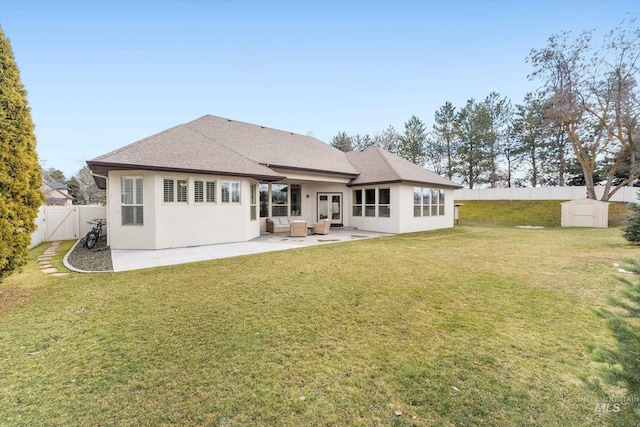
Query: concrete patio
[124, 260]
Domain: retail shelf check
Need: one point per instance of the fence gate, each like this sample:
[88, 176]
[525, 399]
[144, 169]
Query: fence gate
[61, 223]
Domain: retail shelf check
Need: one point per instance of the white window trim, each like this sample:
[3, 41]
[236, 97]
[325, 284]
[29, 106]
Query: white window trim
[431, 207]
[133, 204]
[230, 185]
[176, 184]
[205, 183]
[378, 204]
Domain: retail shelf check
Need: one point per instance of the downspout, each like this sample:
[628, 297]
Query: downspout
[106, 189]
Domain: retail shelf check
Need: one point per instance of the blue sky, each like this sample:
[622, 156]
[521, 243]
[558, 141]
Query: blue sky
[101, 75]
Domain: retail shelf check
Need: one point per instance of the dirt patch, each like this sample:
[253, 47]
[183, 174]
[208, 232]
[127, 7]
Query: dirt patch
[96, 259]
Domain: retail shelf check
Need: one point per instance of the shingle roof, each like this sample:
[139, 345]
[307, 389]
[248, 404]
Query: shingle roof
[181, 149]
[55, 184]
[378, 166]
[274, 147]
[213, 144]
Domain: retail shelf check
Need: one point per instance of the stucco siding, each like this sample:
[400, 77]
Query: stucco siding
[389, 224]
[171, 225]
[131, 236]
[409, 223]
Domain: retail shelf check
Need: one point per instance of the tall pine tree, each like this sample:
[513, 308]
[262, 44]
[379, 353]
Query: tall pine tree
[20, 175]
[413, 141]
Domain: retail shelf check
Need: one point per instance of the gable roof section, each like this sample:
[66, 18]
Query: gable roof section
[274, 148]
[181, 149]
[378, 166]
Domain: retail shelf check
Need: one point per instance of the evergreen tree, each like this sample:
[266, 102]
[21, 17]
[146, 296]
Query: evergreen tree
[342, 142]
[412, 142]
[20, 176]
[389, 139]
[499, 114]
[473, 127]
[528, 130]
[623, 360]
[444, 142]
[54, 175]
[632, 230]
[359, 142]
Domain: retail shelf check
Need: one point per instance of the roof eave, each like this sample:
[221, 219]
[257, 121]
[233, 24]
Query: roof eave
[314, 171]
[103, 168]
[404, 181]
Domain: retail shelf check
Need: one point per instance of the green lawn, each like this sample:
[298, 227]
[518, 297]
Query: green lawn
[545, 213]
[473, 326]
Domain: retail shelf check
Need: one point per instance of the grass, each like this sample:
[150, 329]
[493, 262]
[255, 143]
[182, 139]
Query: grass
[544, 213]
[469, 326]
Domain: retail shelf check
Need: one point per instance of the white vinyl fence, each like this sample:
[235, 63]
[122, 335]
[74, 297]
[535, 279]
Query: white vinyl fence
[65, 222]
[625, 195]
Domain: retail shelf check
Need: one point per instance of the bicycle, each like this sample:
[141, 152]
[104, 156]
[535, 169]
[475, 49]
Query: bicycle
[92, 237]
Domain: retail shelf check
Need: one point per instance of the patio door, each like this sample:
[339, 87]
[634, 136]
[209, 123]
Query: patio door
[330, 207]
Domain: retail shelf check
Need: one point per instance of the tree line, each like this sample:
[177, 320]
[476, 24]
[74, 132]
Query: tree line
[579, 128]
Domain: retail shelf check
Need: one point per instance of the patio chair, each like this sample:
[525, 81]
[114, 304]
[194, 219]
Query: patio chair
[321, 227]
[298, 229]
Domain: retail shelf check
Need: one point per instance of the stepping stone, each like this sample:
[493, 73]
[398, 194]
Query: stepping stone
[49, 270]
[46, 265]
[60, 274]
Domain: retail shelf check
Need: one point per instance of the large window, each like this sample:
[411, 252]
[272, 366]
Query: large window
[175, 190]
[230, 192]
[254, 206]
[204, 191]
[286, 200]
[296, 199]
[428, 202]
[357, 202]
[264, 200]
[370, 202]
[132, 201]
[384, 202]
[279, 199]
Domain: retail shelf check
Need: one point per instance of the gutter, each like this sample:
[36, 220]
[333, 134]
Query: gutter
[106, 189]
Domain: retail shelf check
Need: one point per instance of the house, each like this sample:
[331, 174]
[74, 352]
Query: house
[215, 180]
[56, 193]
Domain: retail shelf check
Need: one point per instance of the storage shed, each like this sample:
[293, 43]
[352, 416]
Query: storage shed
[585, 213]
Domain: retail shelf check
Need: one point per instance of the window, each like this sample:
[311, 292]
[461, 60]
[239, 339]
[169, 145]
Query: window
[417, 202]
[254, 207]
[210, 193]
[426, 197]
[370, 202]
[434, 202]
[279, 199]
[296, 200]
[132, 206]
[204, 191]
[230, 191]
[428, 202]
[175, 190]
[357, 202]
[384, 202]
[264, 200]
